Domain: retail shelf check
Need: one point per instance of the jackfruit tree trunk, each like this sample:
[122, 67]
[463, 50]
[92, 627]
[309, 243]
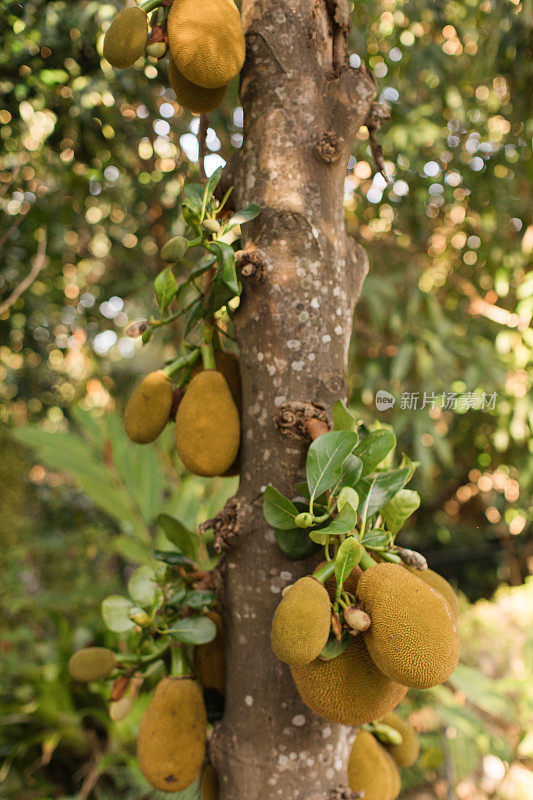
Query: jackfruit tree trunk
[303, 106]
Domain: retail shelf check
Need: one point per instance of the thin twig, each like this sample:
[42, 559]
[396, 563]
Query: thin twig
[38, 264]
[202, 146]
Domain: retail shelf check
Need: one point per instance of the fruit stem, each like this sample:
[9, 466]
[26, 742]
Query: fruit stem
[208, 354]
[183, 361]
[150, 5]
[324, 571]
[179, 666]
[366, 560]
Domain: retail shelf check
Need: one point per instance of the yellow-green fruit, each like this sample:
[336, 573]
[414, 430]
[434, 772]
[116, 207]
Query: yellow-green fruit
[125, 39]
[190, 95]
[92, 664]
[228, 364]
[210, 659]
[440, 584]
[348, 689]
[301, 623]
[148, 409]
[413, 636]
[171, 739]
[395, 775]
[208, 429]
[406, 753]
[209, 784]
[371, 770]
[206, 40]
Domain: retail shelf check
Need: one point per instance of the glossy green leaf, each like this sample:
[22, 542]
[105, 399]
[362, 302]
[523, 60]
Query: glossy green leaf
[193, 630]
[174, 559]
[348, 556]
[380, 488]
[166, 288]
[374, 448]
[295, 543]
[343, 420]
[142, 587]
[115, 612]
[325, 458]
[398, 510]
[278, 510]
[185, 540]
[246, 214]
[334, 648]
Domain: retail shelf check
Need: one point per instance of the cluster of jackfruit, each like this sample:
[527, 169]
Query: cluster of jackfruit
[208, 428]
[206, 44]
[412, 641]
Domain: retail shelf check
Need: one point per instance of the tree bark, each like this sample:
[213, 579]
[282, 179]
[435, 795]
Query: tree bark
[303, 106]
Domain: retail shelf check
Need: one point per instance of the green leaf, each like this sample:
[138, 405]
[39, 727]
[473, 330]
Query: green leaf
[174, 558]
[325, 459]
[115, 612]
[380, 488]
[376, 538]
[345, 522]
[398, 510]
[374, 448]
[246, 214]
[348, 556]
[334, 648]
[195, 315]
[212, 183]
[278, 510]
[200, 599]
[343, 420]
[349, 496]
[203, 265]
[142, 587]
[193, 630]
[193, 196]
[176, 532]
[225, 256]
[350, 473]
[166, 288]
[295, 543]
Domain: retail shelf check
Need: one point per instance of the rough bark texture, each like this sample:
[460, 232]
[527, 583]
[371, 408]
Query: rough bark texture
[303, 106]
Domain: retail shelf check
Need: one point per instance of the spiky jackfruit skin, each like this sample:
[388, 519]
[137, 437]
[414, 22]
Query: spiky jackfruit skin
[440, 584]
[125, 39]
[210, 658]
[209, 784]
[92, 664]
[148, 409]
[406, 753]
[206, 40]
[413, 637]
[370, 769]
[190, 95]
[301, 623]
[348, 689]
[171, 739]
[208, 428]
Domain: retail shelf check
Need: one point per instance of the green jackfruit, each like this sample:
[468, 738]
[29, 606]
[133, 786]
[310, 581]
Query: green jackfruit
[371, 770]
[209, 784]
[413, 637]
[125, 39]
[92, 664]
[228, 364]
[348, 689]
[210, 659]
[406, 753]
[148, 409]
[440, 584]
[206, 40]
[208, 427]
[301, 623]
[189, 95]
[171, 739]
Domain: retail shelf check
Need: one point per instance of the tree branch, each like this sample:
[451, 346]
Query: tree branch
[38, 264]
[202, 146]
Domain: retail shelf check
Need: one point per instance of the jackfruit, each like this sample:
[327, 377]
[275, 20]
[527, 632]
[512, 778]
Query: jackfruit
[440, 584]
[371, 770]
[208, 428]
[406, 753]
[209, 784]
[301, 623]
[348, 689]
[171, 739]
[125, 39]
[413, 636]
[228, 364]
[210, 659]
[190, 95]
[206, 40]
[92, 664]
[148, 409]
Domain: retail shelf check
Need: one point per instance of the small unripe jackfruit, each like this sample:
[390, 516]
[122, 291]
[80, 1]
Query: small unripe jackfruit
[125, 39]
[371, 769]
[208, 427]
[148, 409]
[440, 584]
[92, 664]
[209, 784]
[348, 689]
[301, 623]
[228, 364]
[190, 95]
[413, 636]
[171, 739]
[406, 753]
[210, 658]
[206, 40]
